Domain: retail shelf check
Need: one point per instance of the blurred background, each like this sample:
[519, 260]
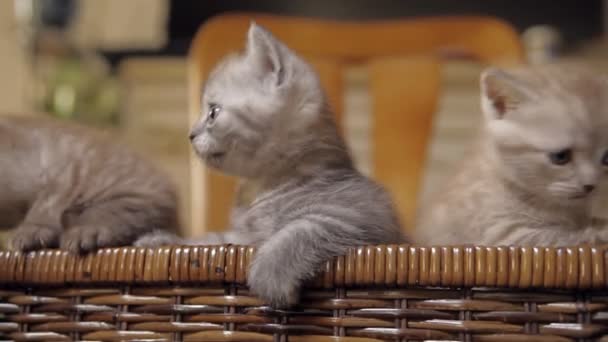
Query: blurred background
[121, 65]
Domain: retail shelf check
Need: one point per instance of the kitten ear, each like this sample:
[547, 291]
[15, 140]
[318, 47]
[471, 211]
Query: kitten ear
[502, 92]
[267, 53]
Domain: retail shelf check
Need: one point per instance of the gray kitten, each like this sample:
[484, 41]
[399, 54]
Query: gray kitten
[543, 150]
[266, 120]
[64, 185]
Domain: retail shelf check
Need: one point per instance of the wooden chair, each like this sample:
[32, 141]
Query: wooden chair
[404, 74]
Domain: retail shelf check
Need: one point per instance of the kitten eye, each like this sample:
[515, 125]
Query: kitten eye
[214, 111]
[605, 159]
[561, 157]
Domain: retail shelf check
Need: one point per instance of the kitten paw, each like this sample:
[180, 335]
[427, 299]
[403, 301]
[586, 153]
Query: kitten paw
[157, 238]
[273, 286]
[83, 239]
[28, 237]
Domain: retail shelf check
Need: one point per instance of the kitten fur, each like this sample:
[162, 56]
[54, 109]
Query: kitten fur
[508, 191]
[65, 185]
[276, 131]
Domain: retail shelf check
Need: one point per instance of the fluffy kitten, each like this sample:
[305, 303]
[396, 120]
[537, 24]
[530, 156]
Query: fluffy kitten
[266, 120]
[542, 151]
[63, 185]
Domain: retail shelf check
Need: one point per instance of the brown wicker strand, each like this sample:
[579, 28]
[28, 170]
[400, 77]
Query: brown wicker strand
[373, 293]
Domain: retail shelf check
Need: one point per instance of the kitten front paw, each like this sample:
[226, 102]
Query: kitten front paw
[273, 285]
[28, 237]
[83, 239]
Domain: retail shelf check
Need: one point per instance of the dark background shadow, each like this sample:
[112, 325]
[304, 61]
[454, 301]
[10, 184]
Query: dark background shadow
[576, 19]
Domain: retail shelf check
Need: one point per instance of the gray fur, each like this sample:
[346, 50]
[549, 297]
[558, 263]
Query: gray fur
[65, 186]
[508, 192]
[276, 133]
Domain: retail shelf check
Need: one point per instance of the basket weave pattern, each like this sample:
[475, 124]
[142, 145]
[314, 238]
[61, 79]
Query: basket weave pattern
[375, 293]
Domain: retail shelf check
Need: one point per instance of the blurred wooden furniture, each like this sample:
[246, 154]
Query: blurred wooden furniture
[404, 66]
[372, 294]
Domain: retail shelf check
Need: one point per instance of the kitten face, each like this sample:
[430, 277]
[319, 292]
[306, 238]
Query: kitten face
[549, 129]
[254, 105]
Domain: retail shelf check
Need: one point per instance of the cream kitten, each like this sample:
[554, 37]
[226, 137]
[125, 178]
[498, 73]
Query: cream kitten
[63, 185]
[266, 121]
[541, 154]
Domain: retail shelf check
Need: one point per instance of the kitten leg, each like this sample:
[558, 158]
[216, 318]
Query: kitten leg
[43, 224]
[116, 222]
[293, 255]
[31, 236]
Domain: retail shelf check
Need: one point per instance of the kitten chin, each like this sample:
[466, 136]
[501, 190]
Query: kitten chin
[68, 186]
[541, 153]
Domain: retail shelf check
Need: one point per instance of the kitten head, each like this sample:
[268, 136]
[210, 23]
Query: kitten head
[548, 128]
[256, 106]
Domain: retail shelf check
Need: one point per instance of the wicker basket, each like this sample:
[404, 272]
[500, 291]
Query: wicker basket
[375, 293]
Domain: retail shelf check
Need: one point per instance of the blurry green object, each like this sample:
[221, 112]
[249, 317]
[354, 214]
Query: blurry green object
[76, 84]
[81, 89]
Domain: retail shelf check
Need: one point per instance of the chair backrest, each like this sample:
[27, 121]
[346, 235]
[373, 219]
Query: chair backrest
[404, 74]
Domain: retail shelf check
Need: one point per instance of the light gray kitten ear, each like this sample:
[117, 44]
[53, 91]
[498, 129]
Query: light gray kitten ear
[267, 53]
[502, 92]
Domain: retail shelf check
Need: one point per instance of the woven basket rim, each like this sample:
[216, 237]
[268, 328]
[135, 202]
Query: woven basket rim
[577, 267]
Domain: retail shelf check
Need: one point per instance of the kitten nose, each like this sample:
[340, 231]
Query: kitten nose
[588, 188]
[196, 130]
